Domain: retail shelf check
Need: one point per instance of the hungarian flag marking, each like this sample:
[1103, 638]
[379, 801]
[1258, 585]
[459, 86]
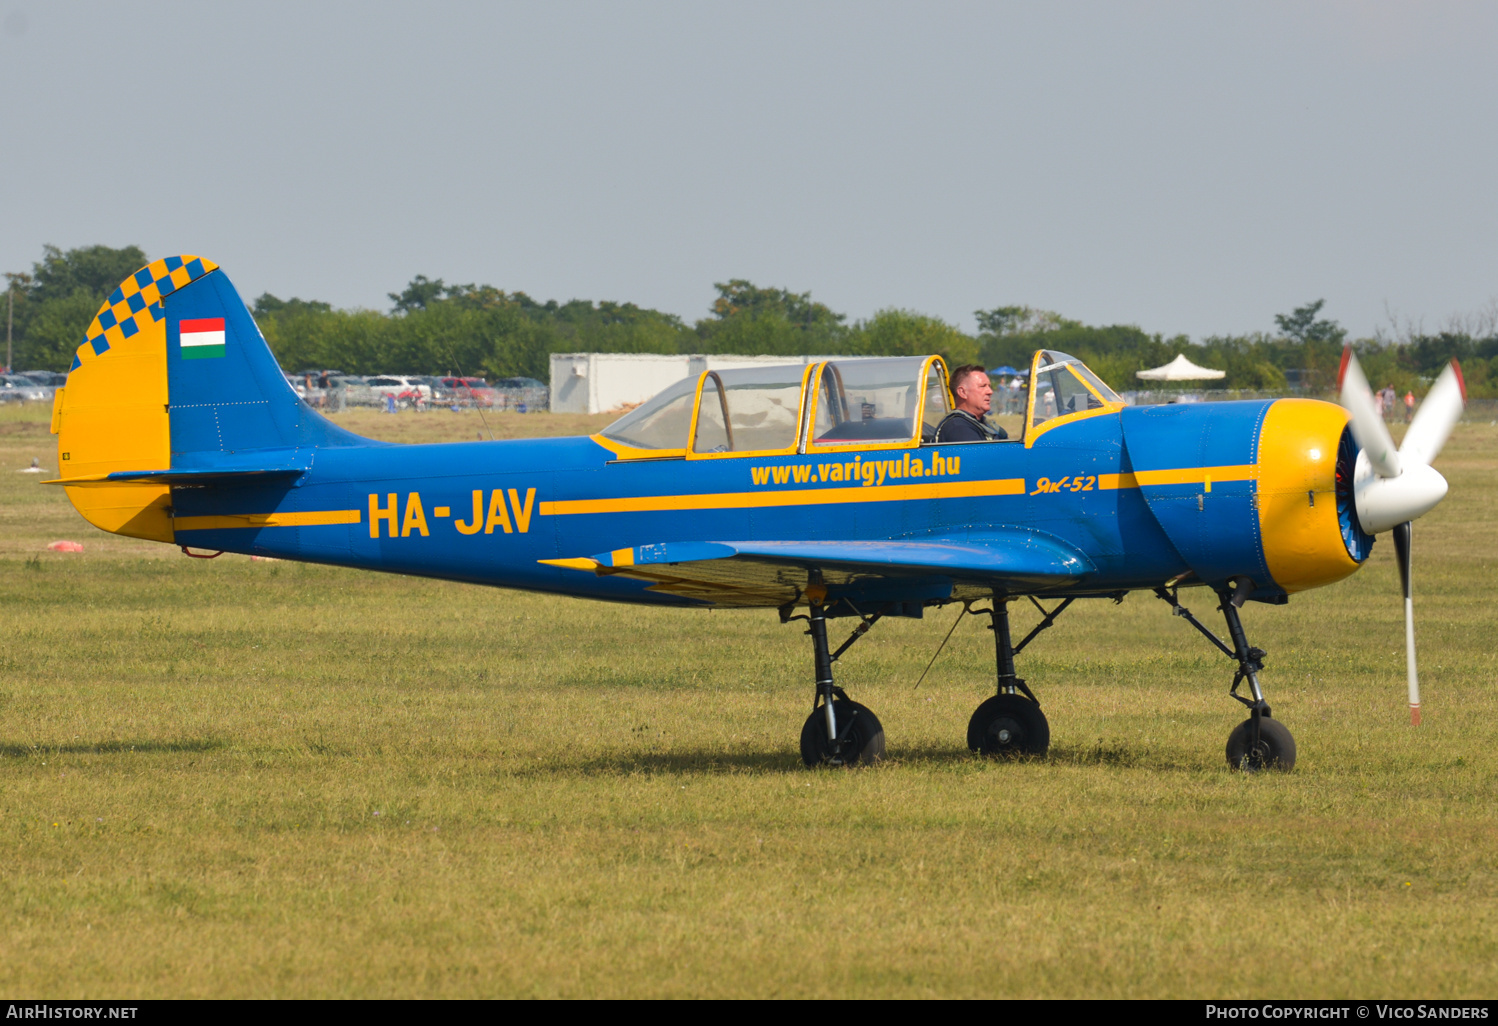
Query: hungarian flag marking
[202, 338]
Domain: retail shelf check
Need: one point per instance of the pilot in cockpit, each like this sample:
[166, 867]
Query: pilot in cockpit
[969, 421]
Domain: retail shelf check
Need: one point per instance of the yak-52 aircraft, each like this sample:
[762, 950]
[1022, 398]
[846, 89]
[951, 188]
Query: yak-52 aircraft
[812, 490]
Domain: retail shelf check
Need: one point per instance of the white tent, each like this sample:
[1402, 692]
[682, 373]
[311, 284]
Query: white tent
[1180, 369]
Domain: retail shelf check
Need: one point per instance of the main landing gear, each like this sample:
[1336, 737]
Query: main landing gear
[1011, 723]
[1259, 742]
[839, 731]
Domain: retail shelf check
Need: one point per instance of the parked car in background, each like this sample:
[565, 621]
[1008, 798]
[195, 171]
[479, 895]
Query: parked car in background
[346, 390]
[396, 384]
[405, 389]
[467, 392]
[52, 379]
[17, 388]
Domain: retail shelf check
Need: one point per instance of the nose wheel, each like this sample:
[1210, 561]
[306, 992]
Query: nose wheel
[1273, 750]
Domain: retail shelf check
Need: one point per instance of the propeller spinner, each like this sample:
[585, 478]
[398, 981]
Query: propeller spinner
[1392, 487]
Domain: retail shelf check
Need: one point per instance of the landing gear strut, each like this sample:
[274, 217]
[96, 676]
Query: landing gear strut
[1259, 742]
[839, 731]
[1011, 723]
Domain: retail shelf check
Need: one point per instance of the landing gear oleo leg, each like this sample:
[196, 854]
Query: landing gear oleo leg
[839, 731]
[1011, 723]
[1259, 742]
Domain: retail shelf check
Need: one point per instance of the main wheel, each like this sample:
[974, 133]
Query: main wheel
[1009, 725]
[1275, 750]
[863, 738]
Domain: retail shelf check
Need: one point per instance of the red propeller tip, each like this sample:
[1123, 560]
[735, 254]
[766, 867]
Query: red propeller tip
[1461, 382]
[1342, 369]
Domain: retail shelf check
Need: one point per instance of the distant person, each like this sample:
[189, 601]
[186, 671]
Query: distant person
[1409, 407]
[969, 421]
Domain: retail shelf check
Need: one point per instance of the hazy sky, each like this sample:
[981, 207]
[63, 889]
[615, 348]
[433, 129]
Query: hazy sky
[1187, 167]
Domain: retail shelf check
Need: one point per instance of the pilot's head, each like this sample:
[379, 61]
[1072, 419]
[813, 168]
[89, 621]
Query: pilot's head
[972, 390]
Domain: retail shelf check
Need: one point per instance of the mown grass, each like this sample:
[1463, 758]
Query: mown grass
[237, 778]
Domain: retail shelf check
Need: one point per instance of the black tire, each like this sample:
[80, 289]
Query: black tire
[1276, 748]
[864, 740]
[1009, 725]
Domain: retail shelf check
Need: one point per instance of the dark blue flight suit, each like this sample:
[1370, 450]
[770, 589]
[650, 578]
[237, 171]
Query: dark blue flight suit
[961, 426]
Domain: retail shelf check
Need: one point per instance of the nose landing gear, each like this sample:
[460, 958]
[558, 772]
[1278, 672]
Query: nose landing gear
[1259, 742]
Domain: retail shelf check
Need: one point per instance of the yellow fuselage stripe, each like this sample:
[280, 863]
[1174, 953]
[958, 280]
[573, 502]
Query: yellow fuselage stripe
[310, 518]
[753, 500]
[797, 497]
[1185, 475]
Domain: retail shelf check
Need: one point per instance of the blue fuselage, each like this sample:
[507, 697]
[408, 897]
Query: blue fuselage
[488, 512]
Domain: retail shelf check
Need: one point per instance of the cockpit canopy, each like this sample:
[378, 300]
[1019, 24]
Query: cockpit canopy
[882, 402]
[893, 401]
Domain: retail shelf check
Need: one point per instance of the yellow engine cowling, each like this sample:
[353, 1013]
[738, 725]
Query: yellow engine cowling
[1307, 522]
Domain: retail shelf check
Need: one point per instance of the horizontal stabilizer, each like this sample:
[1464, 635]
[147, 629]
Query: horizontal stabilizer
[261, 468]
[206, 477]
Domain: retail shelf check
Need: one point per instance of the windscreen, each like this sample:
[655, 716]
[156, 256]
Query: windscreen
[1063, 385]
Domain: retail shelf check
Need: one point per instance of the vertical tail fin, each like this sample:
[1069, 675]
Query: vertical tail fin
[174, 374]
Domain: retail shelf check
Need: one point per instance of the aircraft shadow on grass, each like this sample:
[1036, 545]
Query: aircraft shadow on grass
[143, 747]
[1115, 754]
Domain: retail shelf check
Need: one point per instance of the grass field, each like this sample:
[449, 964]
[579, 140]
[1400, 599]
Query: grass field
[249, 779]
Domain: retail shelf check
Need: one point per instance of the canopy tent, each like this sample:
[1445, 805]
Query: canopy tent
[1006, 371]
[1180, 369]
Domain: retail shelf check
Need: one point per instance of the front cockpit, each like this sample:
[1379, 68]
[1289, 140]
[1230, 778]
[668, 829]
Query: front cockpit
[1063, 389]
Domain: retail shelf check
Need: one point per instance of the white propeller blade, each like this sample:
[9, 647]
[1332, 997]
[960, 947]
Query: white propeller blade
[1390, 488]
[1367, 426]
[1438, 415]
[1402, 552]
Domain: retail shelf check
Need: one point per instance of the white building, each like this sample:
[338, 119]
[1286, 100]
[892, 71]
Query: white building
[600, 382]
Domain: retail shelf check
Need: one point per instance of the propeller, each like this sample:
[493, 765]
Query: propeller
[1392, 487]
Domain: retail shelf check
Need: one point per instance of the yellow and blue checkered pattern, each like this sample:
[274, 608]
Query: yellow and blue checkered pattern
[136, 304]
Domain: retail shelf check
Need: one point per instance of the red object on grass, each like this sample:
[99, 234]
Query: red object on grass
[65, 546]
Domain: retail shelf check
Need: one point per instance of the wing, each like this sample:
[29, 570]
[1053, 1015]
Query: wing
[775, 573]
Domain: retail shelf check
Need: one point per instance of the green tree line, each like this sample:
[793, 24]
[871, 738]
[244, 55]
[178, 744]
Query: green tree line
[436, 327]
